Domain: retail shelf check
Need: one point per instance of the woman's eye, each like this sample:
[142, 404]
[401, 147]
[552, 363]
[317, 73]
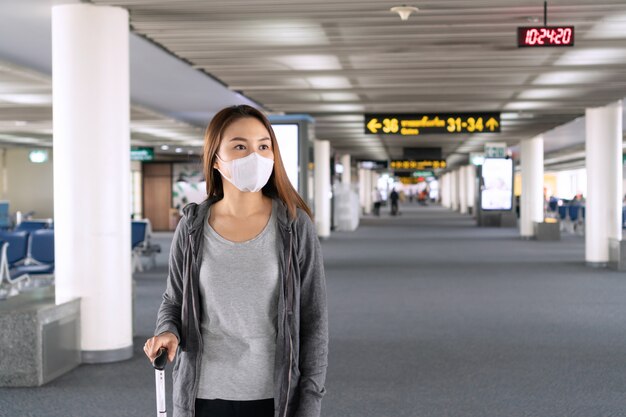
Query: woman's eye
[264, 147]
[240, 147]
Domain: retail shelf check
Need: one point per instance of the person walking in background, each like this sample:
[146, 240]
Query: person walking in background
[244, 313]
[393, 198]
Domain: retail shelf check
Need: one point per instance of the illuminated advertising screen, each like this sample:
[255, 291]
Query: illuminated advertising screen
[287, 138]
[497, 184]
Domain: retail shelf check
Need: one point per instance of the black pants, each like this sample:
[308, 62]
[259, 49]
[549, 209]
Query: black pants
[227, 408]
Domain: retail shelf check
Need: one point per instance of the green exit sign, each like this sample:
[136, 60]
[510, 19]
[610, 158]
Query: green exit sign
[142, 154]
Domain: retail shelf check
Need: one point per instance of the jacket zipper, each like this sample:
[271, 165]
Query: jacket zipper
[290, 340]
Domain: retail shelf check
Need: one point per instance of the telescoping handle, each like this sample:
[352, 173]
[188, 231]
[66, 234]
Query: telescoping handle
[159, 374]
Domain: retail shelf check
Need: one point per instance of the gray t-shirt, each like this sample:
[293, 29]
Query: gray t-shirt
[239, 285]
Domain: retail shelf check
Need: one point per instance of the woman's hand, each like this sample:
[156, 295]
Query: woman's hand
[165, 340]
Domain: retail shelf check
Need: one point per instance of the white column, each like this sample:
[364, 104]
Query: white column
[445, 190]
[454, 190]
[470, 185]
[367, 194]
[362, 173]
[373, 182]
[92, 174]
[531, 200]
[603, 149]
[463, 189]
[346, 176]
[322, 188]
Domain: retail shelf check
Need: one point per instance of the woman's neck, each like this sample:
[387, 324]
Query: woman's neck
[241, 204]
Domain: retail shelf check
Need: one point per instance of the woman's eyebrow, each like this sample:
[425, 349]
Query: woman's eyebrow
[237, 138]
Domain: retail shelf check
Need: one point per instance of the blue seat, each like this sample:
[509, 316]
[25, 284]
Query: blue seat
[553, 204]
[30, 225]
[138, 233]
[141, 232]
[13, 250]
[573, 212]
[40, 255]
[17, 249]
[5, 220]
[624, 217]
[563, 212]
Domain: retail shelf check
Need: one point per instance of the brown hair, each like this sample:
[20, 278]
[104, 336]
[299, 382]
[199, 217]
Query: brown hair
[278, 185]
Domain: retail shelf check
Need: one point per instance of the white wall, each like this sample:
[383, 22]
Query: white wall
[28, 185]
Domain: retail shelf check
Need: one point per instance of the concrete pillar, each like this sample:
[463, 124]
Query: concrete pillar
[367, 191]
[91, 139]
[373, 182]
[463, 189]
[362, 188]
[346, 175]
[454, 190]
[470, 185]
[445, 190]
[531, 200]
[322, 188]
[603, 149]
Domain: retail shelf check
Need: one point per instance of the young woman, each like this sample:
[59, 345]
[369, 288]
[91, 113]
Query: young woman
[244, 312]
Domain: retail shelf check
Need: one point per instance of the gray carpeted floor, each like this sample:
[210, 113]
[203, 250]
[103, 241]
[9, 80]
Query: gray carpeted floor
[430, 316]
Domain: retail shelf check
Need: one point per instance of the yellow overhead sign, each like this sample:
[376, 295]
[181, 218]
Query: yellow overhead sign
[418, 165]
[431, 123]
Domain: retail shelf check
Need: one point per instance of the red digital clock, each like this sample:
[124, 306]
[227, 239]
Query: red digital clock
[545, 36]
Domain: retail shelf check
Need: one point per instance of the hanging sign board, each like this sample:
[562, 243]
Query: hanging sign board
[418, 165]
[495, 150]
[413, 124]
[142, 154]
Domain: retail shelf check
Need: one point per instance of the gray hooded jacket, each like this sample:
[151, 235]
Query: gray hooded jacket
[302, 327]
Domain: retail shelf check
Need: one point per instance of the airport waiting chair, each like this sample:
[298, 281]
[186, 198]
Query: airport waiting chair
[31, 225]
[563, 217]
[39, 263]
[141, 232]
[624, 217]
[5, 218]
[576, 218]
[553, 204]
[14, 249]
[8, 288]
[17, 250]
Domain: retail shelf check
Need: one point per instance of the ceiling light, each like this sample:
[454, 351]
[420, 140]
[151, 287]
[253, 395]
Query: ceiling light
[164, 147]
[404, 11]
[179, 150]
[532, 19]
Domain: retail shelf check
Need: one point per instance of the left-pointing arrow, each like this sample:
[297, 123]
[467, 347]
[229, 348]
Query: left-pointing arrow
[373, 125]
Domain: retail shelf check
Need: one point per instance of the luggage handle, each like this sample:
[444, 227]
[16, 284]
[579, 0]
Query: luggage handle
[161, 360]
[159, 366]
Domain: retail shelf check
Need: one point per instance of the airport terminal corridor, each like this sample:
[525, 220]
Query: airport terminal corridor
[430, 316]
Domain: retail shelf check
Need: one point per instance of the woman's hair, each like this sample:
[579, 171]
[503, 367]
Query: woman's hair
[278, 185]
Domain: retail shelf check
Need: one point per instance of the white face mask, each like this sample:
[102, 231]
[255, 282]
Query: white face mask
[249, 174]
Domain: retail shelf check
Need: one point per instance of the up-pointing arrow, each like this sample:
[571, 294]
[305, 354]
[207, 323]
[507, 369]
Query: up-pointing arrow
[492, 124]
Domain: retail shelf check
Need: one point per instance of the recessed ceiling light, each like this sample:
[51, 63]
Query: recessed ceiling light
[20, 123]
[179, 150]
[164, 147]
[532, 19]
